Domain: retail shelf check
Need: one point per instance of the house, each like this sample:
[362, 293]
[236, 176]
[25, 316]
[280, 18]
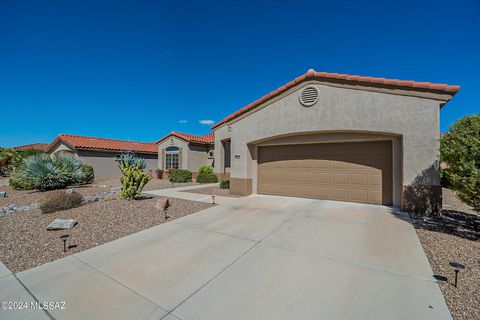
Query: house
[100, 153]
[33, 146]
[179, 150]
[339, 137]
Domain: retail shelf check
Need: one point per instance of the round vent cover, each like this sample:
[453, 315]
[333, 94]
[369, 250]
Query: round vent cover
[309, 96]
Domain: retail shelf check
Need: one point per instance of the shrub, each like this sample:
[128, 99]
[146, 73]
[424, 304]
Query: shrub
[205, 169]
[158, 173]
[11, 159]
[61, 200]
[180, 176]
[207, 178]
[44, 173]
[225, 184]
[89, 174]
[460, 150]
[133, 180]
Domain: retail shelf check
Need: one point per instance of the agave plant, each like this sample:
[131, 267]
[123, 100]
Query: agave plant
[43, 173]
[129, 159]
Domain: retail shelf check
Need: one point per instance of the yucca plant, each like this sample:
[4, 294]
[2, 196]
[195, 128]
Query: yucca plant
[44, 173]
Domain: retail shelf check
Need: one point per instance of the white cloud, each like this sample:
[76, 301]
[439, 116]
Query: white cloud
[182, 121]
[206, 122]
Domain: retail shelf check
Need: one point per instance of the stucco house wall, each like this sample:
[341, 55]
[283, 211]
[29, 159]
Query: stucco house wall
[193, 155]
[103, 162]
[173, 142]
[411, 122]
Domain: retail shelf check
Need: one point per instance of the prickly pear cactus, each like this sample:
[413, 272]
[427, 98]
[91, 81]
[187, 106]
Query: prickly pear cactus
[133, 180]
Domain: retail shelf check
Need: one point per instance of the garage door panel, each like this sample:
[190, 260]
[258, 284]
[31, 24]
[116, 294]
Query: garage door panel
[359, 195]
[340, 178]
[359, 172]
[359, 178]
[340, 193]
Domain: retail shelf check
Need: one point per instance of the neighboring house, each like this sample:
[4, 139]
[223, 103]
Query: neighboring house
[100, 153]
[339, 137]
[33, 146]
[185, 151]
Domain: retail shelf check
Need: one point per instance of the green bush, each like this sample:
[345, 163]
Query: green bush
[460, 150]
[205, 169]
[225, 184]
[207, 178]
[89, 174]
[11, 159]
[133, 180]
[180, 176]
[61, 200]
[44, 173]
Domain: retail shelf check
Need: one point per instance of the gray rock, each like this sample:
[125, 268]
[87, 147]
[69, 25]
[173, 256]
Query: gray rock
[59, 224]
[70, 190]
[12, 208]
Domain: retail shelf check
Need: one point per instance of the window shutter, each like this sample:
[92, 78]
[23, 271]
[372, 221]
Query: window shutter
[163, 159]
[180, 158]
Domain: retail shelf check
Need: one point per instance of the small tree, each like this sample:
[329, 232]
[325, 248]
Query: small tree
[460, 150]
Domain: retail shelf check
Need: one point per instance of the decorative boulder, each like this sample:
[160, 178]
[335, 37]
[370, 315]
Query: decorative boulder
[162, 204]
[59, 224]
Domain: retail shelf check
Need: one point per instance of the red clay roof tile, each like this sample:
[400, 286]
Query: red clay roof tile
[91, 143]
[33, 146]
[353, 78]
[208, 138]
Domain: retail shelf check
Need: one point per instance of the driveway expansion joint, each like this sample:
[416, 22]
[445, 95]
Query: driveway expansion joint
[118, 282]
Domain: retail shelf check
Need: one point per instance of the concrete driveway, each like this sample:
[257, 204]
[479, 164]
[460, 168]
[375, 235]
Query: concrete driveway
[260, 257]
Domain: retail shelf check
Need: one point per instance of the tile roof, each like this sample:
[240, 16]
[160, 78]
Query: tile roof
[206, 138]
[312, 74]
[91, 143]
[33, 146]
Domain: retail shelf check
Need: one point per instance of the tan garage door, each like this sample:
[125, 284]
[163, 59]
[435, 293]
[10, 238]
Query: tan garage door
[357, 172]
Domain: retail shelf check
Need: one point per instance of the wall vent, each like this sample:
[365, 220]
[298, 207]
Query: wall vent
[308, 96]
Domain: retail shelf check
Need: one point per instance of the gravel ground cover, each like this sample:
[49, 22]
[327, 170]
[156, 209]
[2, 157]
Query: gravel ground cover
[27, 197]
[153, 184]
[454, 236]
[25, 243]
[214, 191]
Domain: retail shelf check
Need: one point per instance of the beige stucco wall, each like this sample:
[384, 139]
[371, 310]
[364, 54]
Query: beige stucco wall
[193, 155]
[104, 164]
[59, 146]
[173, 142]
[412, 122]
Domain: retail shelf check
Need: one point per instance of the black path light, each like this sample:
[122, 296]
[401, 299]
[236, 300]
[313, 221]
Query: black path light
[456, 267]
[213, 199]
[64, 239]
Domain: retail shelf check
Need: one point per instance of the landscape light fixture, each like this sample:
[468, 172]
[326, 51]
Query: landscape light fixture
[213, 199]
[64, 239]
[456, 267]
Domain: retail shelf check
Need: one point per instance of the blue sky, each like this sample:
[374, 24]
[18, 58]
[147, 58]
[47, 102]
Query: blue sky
[140, 69]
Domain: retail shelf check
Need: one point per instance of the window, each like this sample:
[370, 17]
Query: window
[171, 157]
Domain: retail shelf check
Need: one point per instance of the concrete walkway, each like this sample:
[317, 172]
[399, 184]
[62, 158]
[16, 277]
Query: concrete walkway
[259, 257]
[180, 193]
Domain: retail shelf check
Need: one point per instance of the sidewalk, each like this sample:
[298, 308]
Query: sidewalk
[180, 193]
[12, 290]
